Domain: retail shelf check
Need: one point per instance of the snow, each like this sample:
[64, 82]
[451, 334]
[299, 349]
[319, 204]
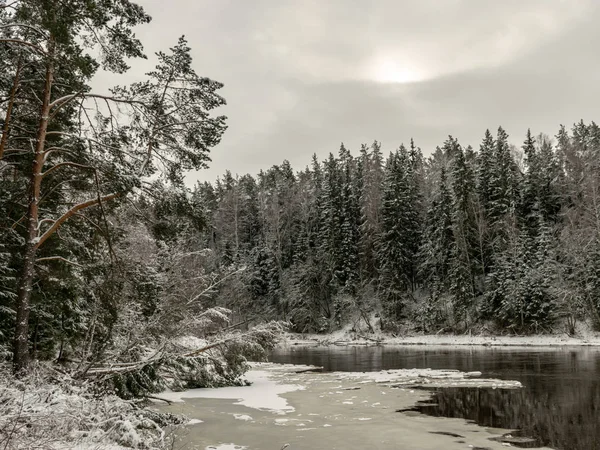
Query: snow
[426, 377]
[244, 417]
[70, 415]
[226, 447]
[262, 394]
[191, 342]
[345, 337]
[194, 422]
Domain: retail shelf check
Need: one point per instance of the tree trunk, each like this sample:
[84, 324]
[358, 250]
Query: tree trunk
[23, 307]
[21, 347]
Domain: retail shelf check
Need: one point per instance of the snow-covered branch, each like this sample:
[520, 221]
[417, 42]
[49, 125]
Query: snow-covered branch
[78, 207]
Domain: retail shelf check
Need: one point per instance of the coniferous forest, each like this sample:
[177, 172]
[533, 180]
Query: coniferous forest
[119, 280]
[501, 238]
[99, 230]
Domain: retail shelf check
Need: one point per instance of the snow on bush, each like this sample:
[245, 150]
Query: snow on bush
[50, 410]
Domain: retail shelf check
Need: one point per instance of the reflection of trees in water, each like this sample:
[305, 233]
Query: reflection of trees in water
[567, 419]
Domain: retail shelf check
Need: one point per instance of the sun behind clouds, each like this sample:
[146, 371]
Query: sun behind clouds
[388, 70]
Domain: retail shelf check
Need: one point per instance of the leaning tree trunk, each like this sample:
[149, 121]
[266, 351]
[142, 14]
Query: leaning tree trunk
[23, 307]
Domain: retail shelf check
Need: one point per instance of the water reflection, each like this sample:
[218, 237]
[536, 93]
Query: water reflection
[560, 404]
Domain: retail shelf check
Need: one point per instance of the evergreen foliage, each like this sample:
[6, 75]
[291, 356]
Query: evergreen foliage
[455, 241]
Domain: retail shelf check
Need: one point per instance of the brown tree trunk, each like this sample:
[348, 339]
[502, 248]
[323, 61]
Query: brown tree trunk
[23, 307]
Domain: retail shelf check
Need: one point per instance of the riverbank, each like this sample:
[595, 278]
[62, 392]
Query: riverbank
[339, 410]
[345, 337]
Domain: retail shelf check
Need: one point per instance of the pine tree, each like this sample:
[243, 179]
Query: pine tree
[438, 248]
[400, 233]
[83, 163]
[464, 264]
[250, 226]
[350, 217]
[503, 184]
[485, 171]
[371, 176]
[529, 202]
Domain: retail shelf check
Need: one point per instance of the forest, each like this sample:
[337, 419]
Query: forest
[502, 238]
[114, 270]
[99, 229]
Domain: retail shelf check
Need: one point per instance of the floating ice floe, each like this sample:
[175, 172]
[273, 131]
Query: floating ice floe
[426, 378]
[244, 417]
[226, 447]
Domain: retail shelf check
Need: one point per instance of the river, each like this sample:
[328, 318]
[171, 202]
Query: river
[559, 405]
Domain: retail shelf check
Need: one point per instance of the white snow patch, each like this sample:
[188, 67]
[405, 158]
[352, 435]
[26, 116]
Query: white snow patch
[346, 337]
[244, 417]
[426, 377]
[365, 418]
[194, 422]
[226, 447]
[347, 403]
[191, 342]
[326, 425]
[262, 394]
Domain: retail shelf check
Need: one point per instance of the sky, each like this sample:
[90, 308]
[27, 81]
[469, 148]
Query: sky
[302, 76]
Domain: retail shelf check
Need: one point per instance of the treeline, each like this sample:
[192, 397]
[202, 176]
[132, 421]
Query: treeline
[502, 237]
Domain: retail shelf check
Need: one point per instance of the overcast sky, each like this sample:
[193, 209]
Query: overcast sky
[301, 76]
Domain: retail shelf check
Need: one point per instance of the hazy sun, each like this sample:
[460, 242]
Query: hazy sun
[388, 71]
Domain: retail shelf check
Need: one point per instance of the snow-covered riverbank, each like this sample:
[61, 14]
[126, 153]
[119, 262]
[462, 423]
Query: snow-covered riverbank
[343, 337]
[338, 410]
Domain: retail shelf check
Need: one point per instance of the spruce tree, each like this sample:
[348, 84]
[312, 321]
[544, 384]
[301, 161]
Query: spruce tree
[370, 198]
[464, 265]
[485, 171]
[398, 242]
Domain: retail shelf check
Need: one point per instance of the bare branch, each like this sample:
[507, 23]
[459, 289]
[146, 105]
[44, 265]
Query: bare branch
[58, 258]
[84, 95]
[215, 284]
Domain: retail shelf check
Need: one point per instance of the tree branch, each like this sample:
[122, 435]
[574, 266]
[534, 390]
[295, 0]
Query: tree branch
[59, 258]
[29, 27]
[50, 231]
[66, 163]
[70, 97]
[25, 43]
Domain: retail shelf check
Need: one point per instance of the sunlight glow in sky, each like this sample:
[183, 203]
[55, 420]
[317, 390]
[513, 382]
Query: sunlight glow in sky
[296, 84]
[391, 71]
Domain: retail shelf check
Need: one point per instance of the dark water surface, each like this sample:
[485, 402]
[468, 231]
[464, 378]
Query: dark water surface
[559, 405]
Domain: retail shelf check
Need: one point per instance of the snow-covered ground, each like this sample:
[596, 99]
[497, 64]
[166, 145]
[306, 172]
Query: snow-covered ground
[345, 337]
[43, 413]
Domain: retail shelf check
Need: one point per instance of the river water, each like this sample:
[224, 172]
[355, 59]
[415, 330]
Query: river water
[559, 405]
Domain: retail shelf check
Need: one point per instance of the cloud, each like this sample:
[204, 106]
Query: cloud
[300, 76]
